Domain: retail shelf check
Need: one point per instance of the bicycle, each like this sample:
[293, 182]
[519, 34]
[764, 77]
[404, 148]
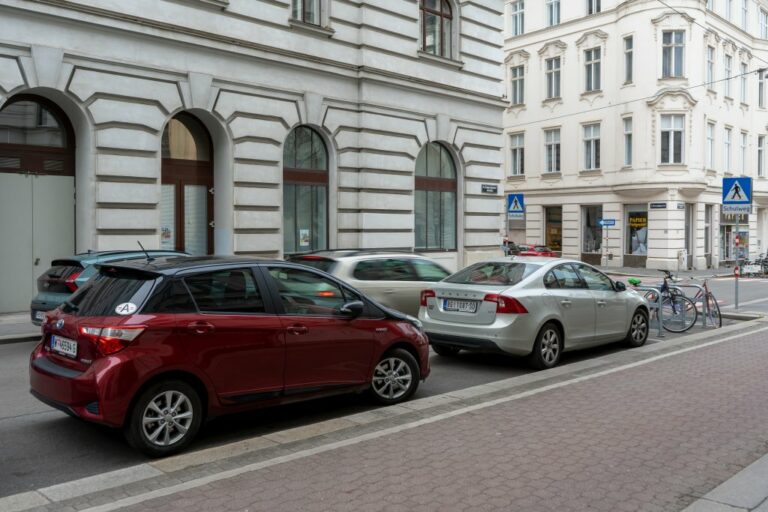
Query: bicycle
[712, 310]
[678, 312]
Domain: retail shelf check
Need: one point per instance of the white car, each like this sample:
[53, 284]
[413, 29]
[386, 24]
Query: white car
[531, 306]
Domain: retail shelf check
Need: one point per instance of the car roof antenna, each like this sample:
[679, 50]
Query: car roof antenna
[149, 259]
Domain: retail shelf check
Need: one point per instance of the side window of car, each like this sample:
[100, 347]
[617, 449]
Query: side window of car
[381, 269]
[595, 280]
[567, 277]
[306, 293]
[226, 291]
[172, 297]
[428, 271]
[550, 281]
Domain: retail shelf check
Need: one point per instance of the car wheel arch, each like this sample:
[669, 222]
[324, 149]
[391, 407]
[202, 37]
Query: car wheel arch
[182, 375]
[557, 323]
[407, 347]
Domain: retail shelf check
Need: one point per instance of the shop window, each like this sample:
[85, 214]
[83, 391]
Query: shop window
[637, 231]
[554, 227]
[592, 231]
[435, 201]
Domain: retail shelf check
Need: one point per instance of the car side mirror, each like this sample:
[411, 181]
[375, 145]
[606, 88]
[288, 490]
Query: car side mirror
[619, 286]
[352, 309]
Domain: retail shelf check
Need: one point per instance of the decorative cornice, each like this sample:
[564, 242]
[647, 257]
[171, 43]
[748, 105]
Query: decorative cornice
[522, 53]
[687, 17]
[597, 33]
[671, 92]
[557, 44]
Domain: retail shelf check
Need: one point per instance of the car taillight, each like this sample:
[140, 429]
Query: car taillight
[506, 304]
[70, 282]
[425, 294]
[112, 339]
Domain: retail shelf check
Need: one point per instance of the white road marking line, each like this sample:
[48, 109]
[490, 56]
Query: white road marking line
[96, 483]
[134, 500]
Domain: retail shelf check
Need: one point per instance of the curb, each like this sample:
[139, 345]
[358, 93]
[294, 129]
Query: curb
[741, 316]
[21, 337]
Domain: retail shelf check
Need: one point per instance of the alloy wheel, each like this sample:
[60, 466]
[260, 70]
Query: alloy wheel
[167, 418]
[639, 328]
[392, 378]
[550, 346]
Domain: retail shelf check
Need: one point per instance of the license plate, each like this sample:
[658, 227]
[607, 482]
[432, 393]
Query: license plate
[39, 315]
[64, 346]
[461, 306]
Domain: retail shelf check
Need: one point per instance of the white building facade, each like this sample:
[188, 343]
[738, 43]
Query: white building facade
[250, 127]
[634, 111]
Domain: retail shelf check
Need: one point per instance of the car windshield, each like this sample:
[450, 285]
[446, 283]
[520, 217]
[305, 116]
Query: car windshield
[324, 264]
[494, 273]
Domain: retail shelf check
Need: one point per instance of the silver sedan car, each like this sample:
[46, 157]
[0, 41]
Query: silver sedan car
[531, 306]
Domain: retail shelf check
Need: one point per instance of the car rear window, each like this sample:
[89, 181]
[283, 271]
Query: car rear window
[494, 273]
[318, 262]
[111, 293]
[55, 278]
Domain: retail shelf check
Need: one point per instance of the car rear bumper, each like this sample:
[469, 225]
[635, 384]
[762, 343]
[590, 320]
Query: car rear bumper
[514, 337]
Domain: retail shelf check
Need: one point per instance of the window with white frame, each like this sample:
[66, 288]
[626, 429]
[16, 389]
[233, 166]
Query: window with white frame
[763, 24]
[518, 17]
[307, 11]
[710, 4]
[592, 69]
[627, 141]
[761, 89]
[553, 12]
[743, 79]
[743, 159]
[628, 59]
[728, 9]
[727, 150]
[710, 67]
[673, 46]
[761, 156]
[744, 13]
[672, 127]
[517, 154]
[593, 6]
[552, 150]
[517, 80]
[728, 64]
[553, 77]
[592, 147]
[710, 145]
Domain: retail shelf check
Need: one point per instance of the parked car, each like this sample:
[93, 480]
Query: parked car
[537, 250]
[392, 278]
[534, 307]
[155, 348]
[66, 275]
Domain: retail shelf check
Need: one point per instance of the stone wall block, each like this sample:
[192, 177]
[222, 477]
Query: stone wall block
[86, 83]
[10, 74]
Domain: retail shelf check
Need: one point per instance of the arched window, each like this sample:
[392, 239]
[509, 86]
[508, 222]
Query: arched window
[437, 27]
[435, 204]
[186, 202]
[36, 137]
[305, 192]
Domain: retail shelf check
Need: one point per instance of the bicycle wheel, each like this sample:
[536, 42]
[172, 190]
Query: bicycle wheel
[713, 311]
[678, 313]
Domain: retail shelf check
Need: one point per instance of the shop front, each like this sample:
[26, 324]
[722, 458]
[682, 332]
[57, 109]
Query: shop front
[636, 248]
[734, 238]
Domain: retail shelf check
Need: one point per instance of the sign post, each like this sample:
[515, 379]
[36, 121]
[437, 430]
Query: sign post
[606, 223]
[737, 199]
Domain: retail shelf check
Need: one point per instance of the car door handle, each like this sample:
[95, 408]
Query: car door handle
[566, 303]
[201, 327]
[601, 303]
[297, 329]
[388, 292]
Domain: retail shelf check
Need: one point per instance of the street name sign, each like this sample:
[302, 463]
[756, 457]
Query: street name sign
[607, 222]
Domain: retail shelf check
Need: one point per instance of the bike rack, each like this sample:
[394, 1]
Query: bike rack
[654, 305]
[705, 304]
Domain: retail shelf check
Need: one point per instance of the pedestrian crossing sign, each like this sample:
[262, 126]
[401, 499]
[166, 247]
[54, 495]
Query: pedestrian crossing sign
[737, 195]
[515, 206]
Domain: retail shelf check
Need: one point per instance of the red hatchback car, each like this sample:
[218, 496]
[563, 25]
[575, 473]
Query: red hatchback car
[155, 347]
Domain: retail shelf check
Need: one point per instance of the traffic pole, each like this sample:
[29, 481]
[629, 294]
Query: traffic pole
[738, 263]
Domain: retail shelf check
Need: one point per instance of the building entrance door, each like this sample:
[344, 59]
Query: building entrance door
[690, 232]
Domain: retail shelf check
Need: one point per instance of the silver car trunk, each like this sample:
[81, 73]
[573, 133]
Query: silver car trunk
[463, 303]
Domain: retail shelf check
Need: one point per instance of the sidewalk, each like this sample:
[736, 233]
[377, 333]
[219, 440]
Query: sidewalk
[17, 326]
[646, 272]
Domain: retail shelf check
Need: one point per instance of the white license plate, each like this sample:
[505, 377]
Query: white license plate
[64, 346]
[462, 306]
[39, 315]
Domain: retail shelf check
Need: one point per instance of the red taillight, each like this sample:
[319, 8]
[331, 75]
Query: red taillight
[506, 304]
[425, 294]
[70, 282]
[312, 258]
[111, 339]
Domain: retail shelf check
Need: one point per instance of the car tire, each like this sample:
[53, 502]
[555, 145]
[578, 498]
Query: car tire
[395, 377]
[639, 327]
[548, 347]
[446, 350]
[170, 433]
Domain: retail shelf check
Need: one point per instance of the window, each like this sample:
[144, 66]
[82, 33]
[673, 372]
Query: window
[673, 44]
[708, 229]
[710, 4]
[710, 67]
[552, 149]
[553, 12]
[517, 155]
[727, 150]
[672, 139]
[435, 202]
[307, 11]
[761, 89]
[172, 298]
[763, 24]
[553, 77]
[761, 156]
[744, 141]
[494, 273]
[743, 83]
[384, 270]
[628, 58]
[593, 6]
[563, 276]
[710, 145]
[593, 232]
[428, 271]
[226, 291]
[595, 279]
[627, 141]
[303, 292]
[518, 85]
[728, 68]
[108, 289]
[305, 192]
[592, 147]
[437, 28]
[744, 13]
[518, 18]
[728, 9]
[592, 65]
[637, 230]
